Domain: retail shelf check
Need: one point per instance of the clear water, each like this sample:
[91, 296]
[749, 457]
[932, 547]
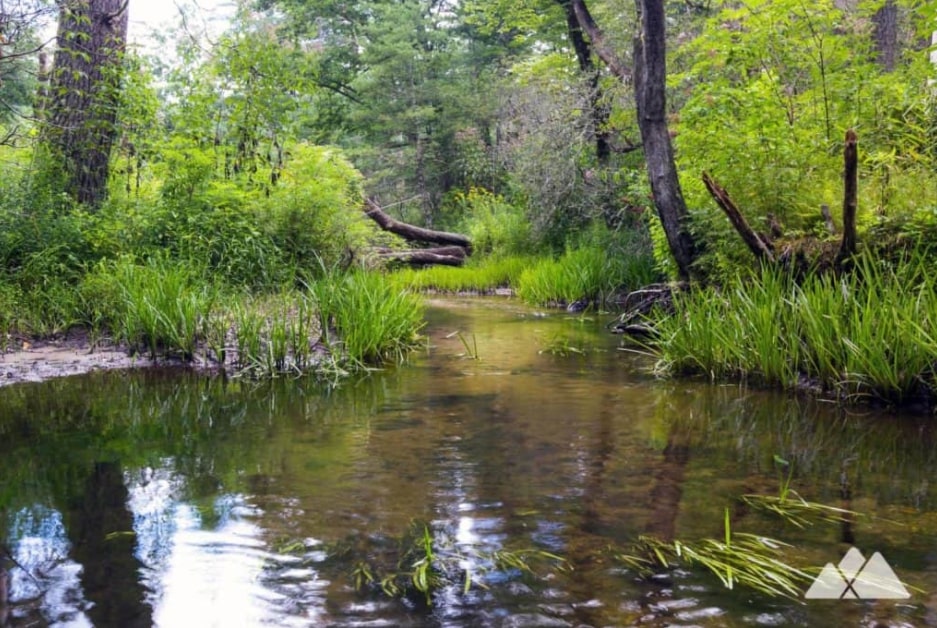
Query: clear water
[173, 499]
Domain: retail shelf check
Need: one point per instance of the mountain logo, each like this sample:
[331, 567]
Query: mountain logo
[858, 579]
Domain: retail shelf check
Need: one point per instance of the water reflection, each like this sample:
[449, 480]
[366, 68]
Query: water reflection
[170, 499]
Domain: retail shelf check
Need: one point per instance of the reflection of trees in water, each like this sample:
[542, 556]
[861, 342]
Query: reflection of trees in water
[888, 457]
[100, 528]
[67, 442]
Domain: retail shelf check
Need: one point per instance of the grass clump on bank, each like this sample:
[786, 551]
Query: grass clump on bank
[337, 323]
[586, 273]
[479, 275]
[871, 333]
[375, 320]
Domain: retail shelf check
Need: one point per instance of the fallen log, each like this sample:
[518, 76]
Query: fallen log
[414, 233]
[443, 255]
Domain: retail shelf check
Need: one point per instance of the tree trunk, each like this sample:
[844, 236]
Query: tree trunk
[886, 35]
[650, 73]
[80, 122]
[599, 111]
[850, 192]
[650, 76]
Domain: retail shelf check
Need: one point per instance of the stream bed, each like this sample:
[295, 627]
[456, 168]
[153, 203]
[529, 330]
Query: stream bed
[175, 499]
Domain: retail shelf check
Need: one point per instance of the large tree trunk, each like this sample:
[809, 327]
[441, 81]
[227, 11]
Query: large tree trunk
[650, 73]
[886, 35]
[650, 77]
[80, 122]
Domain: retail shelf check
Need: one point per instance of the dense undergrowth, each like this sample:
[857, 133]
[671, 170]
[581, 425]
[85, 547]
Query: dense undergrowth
[222, 272]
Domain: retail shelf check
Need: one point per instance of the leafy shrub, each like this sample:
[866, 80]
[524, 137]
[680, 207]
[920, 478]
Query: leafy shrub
[495, 226]
[313, 214]
[260, 236]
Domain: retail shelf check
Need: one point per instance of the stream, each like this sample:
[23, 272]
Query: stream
[175, 499]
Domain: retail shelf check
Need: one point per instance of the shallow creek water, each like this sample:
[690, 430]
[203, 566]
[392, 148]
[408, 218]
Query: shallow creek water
[175, 499]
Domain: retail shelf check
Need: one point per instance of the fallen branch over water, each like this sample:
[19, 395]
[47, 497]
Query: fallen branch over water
[414, 233]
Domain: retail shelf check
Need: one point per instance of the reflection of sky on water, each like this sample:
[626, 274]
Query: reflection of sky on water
[51, 589]
[199, 573]
[211, 577]
[196, 572]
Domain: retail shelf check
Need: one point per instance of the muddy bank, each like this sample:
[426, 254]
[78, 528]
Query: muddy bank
[28, 361]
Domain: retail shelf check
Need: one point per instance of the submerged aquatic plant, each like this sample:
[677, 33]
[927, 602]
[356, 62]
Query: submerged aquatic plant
[426, 560]
[790, 506]
[796, 510]
[562, 345]
[471, 351]
[750, 560]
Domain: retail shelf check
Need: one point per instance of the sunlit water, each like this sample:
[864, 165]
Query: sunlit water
[175, 500]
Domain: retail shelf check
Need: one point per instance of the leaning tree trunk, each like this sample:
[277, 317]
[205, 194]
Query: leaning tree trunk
[650, 78]
[414, 233]
[81, 115]
[650, 73]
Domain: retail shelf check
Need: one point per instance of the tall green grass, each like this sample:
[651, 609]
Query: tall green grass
[870, 333]
[479, 275]
[150, 306]
[589, 272]
[375, 320]
[163, 309]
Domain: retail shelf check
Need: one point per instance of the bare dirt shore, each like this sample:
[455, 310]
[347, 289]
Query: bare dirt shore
[27, 361]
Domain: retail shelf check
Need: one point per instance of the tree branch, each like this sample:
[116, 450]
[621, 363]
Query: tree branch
[599, 43]
[412, 232]
[756, 244]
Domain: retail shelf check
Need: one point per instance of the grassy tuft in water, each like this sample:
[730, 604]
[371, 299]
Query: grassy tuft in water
[791, 507]
[375, 320]
[870, 333]
[471, 350]
[428, 560]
